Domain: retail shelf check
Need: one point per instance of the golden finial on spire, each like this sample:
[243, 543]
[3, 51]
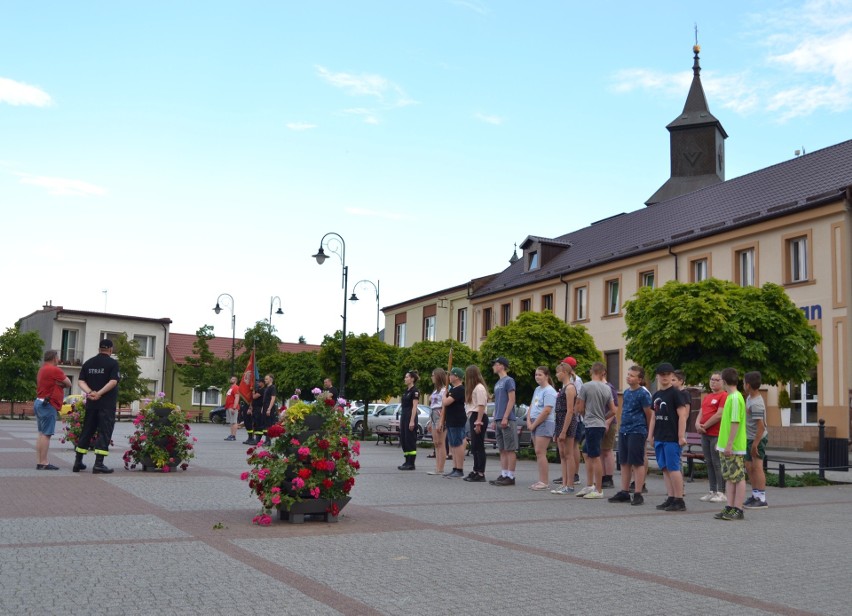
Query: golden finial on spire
[696, 48]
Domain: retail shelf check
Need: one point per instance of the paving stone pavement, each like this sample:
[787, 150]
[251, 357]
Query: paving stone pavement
[408, 543]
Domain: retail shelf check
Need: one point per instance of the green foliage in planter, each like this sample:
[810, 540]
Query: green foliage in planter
[783, 398]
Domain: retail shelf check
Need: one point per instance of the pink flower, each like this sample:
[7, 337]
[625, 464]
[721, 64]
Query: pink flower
[265, 520]
[298, 483]
[276, 490]
[142, 437]
[344, 441]
[315, 492]
[137, 420]
[276, 500]
[294, 442]
[356, 447]
[166, 468]
[304, 451]
[262, 473]
[244, 476]
[316, 391]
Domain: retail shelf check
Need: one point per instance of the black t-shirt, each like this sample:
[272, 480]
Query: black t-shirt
[268, 394]
[334, 393]
[665, 403]
[685, 398]
[97, 372]
[257, 403]
[455, 416]
[410, 398]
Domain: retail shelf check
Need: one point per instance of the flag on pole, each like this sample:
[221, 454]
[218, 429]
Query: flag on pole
[250, 377]
[450, 358]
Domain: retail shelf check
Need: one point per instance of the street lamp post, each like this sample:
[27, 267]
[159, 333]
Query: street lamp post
[354, 297]
[217, 309]
[336, 245]
[272, 301]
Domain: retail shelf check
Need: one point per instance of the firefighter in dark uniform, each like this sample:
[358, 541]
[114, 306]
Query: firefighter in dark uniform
[256, 413]
[270, 408]
[99, 379]
[408, 420]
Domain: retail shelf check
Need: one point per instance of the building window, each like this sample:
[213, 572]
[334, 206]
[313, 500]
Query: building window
[112, 336]
[462, 325]
[399, 335]
[533, 260]
[803, 402]
[745, 267]
[429, 328]
[547, 302]
[612, 360]
[698, 270]
[145, 344]
[486, 321]
[613, 297]
[648, 279]
[797, 258]
[526, 305]
[68, 354]
[581, 312]
[211, 397]
[505, 314]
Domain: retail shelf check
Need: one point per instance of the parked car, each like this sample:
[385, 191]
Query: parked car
[218, 415]
[524, 437]
[423, 416]
[376, 417]
[68, 402]
[357, 412]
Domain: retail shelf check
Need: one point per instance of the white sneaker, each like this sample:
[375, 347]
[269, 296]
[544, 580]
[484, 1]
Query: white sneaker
[584, 491]
[594, 494]
[718, 497]
[707, 497]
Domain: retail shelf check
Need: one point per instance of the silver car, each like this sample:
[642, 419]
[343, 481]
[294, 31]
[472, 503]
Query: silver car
[423, 415]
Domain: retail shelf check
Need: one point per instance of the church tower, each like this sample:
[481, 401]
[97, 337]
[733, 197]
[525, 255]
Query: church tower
[697, 143]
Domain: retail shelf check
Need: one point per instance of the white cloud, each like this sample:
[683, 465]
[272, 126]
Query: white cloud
[472, 5]
[369, 115]
[299, 126]
[388, 94]
[19, 93]
[489, 119]
[357, 211]
[62, 186]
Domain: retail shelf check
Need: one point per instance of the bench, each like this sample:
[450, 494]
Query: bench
[196, 414]
[692, 451]
[386, 434]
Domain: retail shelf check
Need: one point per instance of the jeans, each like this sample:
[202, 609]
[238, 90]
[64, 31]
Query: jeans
[713, 462]
[477, 443]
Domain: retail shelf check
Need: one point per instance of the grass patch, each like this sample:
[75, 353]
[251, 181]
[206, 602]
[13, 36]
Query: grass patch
[805, 480]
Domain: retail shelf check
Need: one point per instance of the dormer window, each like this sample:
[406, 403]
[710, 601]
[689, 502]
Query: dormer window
[533, 260]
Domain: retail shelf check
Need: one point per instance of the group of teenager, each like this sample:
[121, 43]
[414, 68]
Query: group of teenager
[732, 428]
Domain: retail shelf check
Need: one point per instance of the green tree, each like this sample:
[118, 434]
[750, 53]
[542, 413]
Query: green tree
[427, 355]
[329, 358]
[203, 370]
[709, 325]
[132, 386]
[536, 339]
[295, 371]
[20, 355]
[371, 366]
[260, 337]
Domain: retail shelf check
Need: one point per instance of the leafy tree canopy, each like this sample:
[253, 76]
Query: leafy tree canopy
[262, 338]
[537, 339]
[203, 370]
[295, 371]
[425, 356]
[709, 325]
[20, 356]
[370, 365]
[132, 386]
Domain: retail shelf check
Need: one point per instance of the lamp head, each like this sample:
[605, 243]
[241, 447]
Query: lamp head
[217, 309]
[320, 256]
[354, 297]
[279, 311]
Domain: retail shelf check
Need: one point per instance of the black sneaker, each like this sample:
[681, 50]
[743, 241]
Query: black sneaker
[638, 499]
[557, 481]
[749, 501]
[721, 515]
[607, 483]
[662, 506]
[470, 476]
[620, 497]
[632, 487]
[476, 478]
[504, 481]
[756, 504]
[677, 505]
[576, 478]
[733, 515]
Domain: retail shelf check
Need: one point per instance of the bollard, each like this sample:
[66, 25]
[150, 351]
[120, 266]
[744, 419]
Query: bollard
[782, 482]
[822, 449]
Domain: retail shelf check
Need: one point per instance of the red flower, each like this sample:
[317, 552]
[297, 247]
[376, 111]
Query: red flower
[327, 483]
[304, 473]
[355, 464]
[335, 455]
[323, 444]
[333, 509]
[329, 402]
[275, 430]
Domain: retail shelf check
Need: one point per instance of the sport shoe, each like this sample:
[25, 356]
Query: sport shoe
[719, 497]
[733, 514]
[505, 481]
[721, 515]
[750, 500]
[620, 497]
[584, 491]
[454, 474]
[230, 438]
[607, 483]
[662, 506]
[475, 478]
[563, 490]
[677, 505]
[576, 478]
[558, 481]
[594, 494]
[706, 498]
[757, 504]
[638, 499]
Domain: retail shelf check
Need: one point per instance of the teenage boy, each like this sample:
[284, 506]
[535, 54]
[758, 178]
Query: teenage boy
[635, 419]
[505, 429]
[608, 443]
[595, 403]
[669, 430]
[732, 444]
[454, 419]
[756, 438]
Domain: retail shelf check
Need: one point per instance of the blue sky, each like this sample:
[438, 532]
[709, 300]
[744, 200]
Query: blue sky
[169, 152]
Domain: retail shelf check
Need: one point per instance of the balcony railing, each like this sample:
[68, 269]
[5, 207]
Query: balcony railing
[70, 358]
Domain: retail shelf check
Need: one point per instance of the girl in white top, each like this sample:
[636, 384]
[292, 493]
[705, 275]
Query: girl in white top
[541, 422]
[436, 405]
[475, 399]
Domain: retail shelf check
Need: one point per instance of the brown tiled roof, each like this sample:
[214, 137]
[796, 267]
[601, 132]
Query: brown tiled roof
[180, 346]
[791, 186]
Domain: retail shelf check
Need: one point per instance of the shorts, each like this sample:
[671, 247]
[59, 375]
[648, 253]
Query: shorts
[435, 417]
[46, 416]
[594, 437]
[574, 423]
[580, 431]
[631, 449]
[455, 436]
[545, 429]
[507, 438]
[231, 416]
[733, 468]
[761, 449]
[609, 438]
[668, 456]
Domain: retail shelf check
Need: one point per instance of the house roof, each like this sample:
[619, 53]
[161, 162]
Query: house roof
[180, 347]
[795, 185]
[60, 312]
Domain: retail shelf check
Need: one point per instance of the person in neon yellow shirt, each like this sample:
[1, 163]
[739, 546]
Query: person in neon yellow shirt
[732, 445]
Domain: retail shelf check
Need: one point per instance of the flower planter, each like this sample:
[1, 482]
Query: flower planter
[314, 421]
[149, 465]
[317, 507]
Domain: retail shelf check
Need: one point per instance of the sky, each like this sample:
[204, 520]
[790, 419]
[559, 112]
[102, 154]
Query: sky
[156, 155]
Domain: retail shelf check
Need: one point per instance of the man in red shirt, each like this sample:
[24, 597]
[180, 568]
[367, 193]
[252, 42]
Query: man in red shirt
[50, 385]
[232, 408]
